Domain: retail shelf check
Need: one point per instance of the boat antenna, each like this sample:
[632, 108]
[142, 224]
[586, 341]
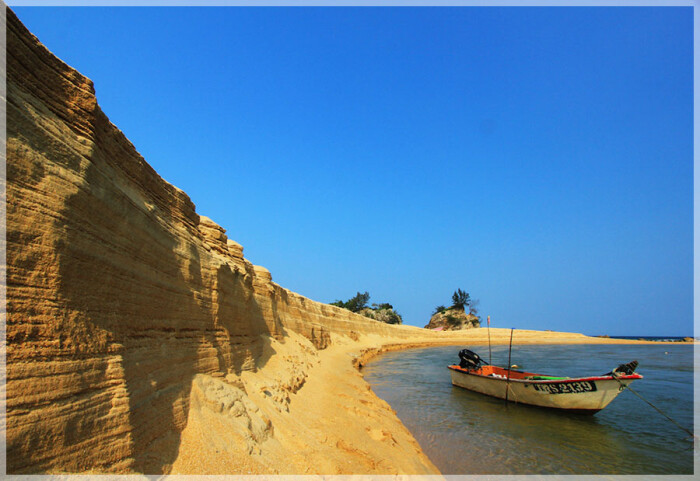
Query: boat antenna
[488, 330]
[510, 347]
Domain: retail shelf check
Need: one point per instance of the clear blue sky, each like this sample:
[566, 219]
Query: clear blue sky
[539, 158]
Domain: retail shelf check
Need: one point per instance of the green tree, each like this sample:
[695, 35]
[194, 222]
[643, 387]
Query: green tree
[384, 305]
[388, 315]
[383, 312]
[473, 310]
[439, 309]
[358, 302]
[460, 299]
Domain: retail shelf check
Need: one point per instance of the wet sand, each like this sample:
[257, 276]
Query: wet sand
[332, 423]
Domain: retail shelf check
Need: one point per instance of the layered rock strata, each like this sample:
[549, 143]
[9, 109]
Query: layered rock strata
[138, 337]
[124, 306]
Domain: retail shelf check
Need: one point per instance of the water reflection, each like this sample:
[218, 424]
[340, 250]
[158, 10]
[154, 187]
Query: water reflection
[468, 433]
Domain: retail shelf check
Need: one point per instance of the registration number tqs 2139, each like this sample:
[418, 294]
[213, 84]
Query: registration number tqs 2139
[566, 387]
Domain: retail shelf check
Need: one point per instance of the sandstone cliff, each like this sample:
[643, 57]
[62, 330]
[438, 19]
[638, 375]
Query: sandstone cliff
[124, 306]
[140, 339]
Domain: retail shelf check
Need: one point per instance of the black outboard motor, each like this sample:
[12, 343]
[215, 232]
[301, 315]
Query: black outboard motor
[469, 359]
[627, 369]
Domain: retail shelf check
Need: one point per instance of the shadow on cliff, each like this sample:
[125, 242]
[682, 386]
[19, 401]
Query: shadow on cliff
[140, 306]
[140, 290]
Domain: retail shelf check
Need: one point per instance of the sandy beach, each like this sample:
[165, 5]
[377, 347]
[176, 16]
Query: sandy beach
[139, 337]
[333, 424]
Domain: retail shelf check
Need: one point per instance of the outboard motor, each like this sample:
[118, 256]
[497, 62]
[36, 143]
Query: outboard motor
[624, 369]
[469, 359]
[627, 369]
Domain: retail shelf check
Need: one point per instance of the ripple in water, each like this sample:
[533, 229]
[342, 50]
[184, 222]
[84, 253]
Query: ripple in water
[467, 433]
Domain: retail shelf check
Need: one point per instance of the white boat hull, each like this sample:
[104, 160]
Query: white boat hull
[585, 395]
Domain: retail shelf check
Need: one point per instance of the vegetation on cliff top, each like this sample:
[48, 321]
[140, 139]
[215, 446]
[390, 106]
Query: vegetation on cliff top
[383, 312]
[460, 301]
[455, 317]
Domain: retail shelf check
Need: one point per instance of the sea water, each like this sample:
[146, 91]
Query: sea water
[463, 432]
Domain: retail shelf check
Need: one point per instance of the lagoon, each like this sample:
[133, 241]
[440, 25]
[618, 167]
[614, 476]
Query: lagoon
[468, 433]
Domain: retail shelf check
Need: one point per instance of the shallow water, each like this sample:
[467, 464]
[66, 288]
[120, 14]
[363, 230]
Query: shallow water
[468, 433]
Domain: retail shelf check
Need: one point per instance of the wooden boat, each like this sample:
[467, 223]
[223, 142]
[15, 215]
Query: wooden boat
[586, 395]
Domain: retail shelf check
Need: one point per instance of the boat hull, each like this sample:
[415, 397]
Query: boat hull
[580, 395]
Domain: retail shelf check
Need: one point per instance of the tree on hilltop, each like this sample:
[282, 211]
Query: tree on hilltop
[354, 304]
[439, 309]
[384, 305]
[460, 299]
[358, 302]
[383, 312]
[473, 310]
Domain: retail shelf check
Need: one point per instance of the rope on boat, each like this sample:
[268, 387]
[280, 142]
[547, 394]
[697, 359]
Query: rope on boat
[652, 405]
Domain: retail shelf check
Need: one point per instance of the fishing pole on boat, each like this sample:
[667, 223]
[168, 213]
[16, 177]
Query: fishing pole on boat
[488, 331]
[510, 348]
[585, 395]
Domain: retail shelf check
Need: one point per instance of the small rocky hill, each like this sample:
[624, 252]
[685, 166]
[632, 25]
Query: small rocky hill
[453, 320]
[387, 315]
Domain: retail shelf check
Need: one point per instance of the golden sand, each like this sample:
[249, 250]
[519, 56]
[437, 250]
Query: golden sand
[334, 424]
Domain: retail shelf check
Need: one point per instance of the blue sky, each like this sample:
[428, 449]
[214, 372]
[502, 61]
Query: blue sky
[539, 158]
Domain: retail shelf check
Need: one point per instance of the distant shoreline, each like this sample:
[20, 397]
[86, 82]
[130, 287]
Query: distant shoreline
[686, 339]
[501, 336]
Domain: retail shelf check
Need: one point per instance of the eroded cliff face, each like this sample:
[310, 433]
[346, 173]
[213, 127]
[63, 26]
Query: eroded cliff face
[124, 306]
